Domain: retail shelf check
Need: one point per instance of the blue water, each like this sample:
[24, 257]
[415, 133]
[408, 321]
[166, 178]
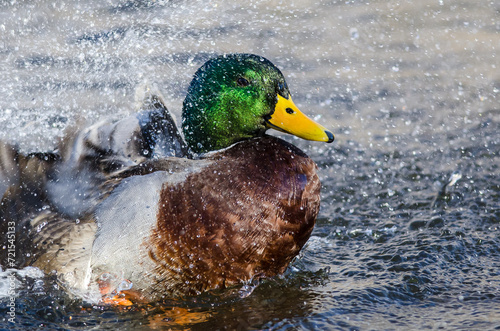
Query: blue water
[411, 92]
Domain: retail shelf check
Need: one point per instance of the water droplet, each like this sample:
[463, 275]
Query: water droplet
[353, 32]
[124, 285]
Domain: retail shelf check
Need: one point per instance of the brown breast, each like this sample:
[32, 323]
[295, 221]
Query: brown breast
[246, 215]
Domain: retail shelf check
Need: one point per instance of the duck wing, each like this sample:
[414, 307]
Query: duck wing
[9, 172]
[160, 134]
[23, 197]
[62, 245]
[90, 157]
[65, 185]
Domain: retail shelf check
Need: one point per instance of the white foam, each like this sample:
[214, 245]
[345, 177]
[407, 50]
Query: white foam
[10, 283]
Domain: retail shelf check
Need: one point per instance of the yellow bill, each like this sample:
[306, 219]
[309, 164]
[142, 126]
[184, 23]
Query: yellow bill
[289, 119]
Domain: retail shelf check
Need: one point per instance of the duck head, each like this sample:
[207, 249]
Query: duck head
[239, 96]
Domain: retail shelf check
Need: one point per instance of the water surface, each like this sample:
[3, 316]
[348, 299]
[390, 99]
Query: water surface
[411, 90]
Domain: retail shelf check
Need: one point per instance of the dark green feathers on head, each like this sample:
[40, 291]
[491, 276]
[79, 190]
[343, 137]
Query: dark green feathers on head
[228, 100]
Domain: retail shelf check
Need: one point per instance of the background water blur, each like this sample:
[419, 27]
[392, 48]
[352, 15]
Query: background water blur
[411, 90]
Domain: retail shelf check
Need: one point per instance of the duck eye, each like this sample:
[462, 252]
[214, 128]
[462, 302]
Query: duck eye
[242, 82]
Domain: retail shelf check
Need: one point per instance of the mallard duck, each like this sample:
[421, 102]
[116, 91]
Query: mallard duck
[130, 207]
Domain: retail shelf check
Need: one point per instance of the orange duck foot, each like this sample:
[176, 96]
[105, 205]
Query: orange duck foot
[116, 292]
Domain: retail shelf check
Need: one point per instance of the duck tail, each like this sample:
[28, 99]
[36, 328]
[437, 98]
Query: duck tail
[24, 174]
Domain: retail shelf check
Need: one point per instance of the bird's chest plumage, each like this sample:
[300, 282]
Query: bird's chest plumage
[246, 214]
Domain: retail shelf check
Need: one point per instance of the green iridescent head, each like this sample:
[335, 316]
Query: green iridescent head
[234, 97]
